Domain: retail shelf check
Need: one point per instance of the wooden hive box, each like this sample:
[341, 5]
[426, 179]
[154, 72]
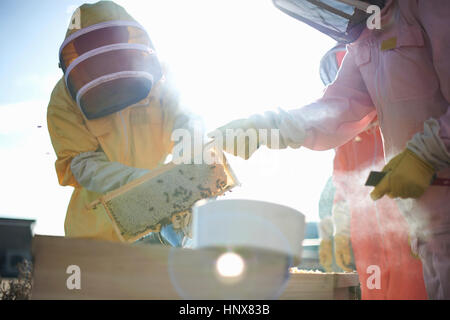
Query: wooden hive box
[122, 271]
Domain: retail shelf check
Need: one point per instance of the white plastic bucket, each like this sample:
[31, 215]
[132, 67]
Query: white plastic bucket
[234, 223]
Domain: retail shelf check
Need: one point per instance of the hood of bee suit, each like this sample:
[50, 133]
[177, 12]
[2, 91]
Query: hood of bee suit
[342, 20]
[90, 14]
[108, 59]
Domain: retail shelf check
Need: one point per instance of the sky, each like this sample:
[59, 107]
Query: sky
[231, 59]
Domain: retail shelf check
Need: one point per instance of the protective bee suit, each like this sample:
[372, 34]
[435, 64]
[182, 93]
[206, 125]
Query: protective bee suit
[102, 144]
[377, 230]
[400, 74]
[335, 230]
[335, 253]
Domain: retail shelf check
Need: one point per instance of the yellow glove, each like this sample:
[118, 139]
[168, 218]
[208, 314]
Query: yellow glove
[239, 137]
[408, 176]
[326, 254]
[342, 252]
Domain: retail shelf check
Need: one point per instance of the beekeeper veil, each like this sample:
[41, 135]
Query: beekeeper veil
[109, 63]
[343, 20]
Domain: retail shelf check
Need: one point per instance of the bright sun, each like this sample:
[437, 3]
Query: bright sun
[230, 265]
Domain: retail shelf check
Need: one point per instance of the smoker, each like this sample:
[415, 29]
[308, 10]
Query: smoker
[15, 245]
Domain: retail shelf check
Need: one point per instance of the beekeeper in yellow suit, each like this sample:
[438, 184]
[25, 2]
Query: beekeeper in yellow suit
[111, 116]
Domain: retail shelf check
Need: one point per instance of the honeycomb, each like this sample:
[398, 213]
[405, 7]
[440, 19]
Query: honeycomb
[166, 196]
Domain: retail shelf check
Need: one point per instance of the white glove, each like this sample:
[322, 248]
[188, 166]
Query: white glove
[275, 130]
[291, 128]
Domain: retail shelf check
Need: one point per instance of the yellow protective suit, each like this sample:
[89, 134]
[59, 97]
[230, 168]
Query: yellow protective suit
[138, 136]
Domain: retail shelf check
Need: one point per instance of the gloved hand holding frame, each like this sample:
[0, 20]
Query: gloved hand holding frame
[163, 196]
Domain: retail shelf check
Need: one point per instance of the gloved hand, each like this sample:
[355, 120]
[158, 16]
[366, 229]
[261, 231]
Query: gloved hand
[408, 176]
[167, 236]
[276, 130]
[171, 236]
[342, 245]
[343, 252]
[239, 137]
[177, 232]
[326, 254]
[96, 173]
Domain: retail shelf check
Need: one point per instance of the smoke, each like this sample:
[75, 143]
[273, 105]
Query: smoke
[382, 230]
[394, 215]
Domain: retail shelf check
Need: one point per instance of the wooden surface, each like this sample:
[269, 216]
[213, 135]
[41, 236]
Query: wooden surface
[120, 271]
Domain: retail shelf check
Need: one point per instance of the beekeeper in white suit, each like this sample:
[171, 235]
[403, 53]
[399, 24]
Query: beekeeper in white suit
[402, 74]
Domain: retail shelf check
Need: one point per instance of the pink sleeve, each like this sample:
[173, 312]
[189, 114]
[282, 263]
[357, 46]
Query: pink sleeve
[434, 17]
[343, 112]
